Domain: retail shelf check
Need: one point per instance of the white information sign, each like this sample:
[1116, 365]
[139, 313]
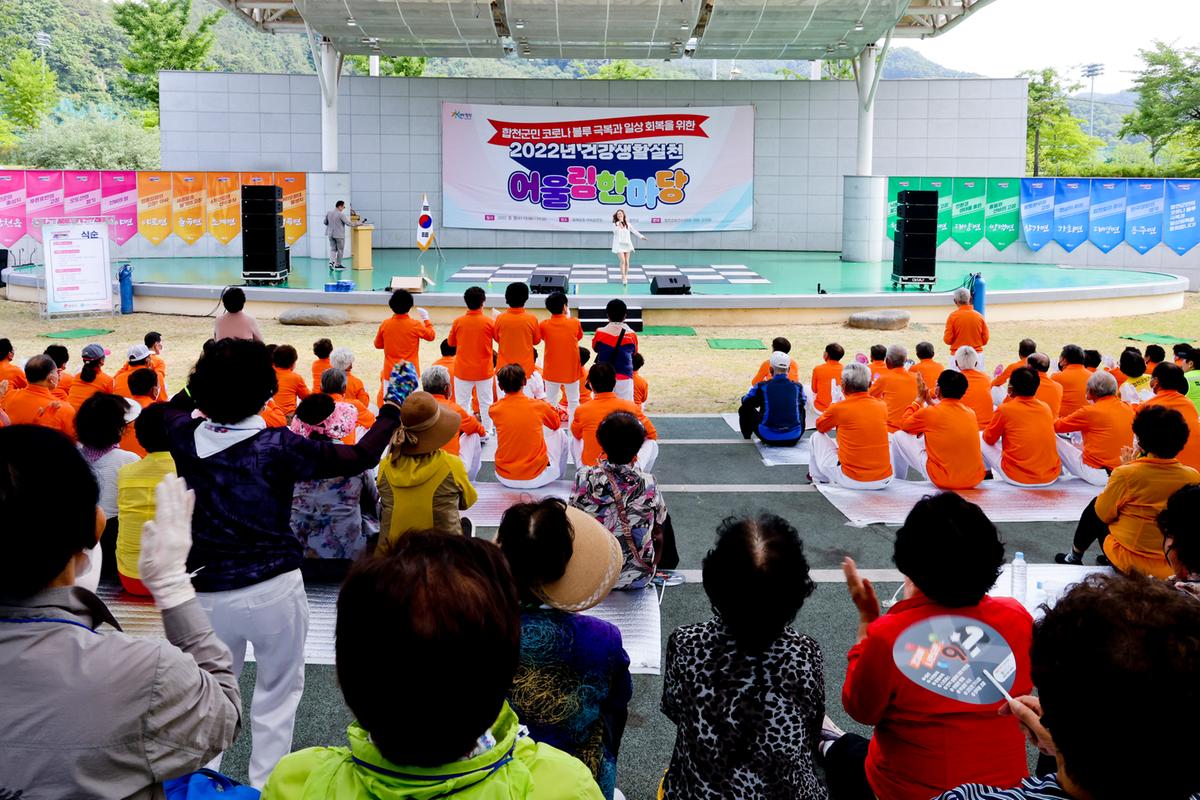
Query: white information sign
[78, 275]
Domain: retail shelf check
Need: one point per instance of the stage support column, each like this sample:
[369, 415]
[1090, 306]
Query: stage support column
[864, 214]
[373, 66]
[329, 70]
[865, 78]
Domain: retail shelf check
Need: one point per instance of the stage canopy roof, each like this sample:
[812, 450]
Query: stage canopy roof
[606, 29]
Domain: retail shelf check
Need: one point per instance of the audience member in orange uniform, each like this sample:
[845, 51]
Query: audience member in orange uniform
[139, 358]
[400, 336]
[1049, 392]
[1092, 360]
[36, 403]
[1019, 443]
[641, 389]
[585, 391]
[827, 375]
[342, 358]
[154, 341]
[926, 367]
[965, 326]
[895, 386]
[333, 383]
[979, 387]
[1025, 348]
[292, 387]
[778, 345]
[143, 391]
[876, 364]
[467, 444]
[8, 370]
[472, 335]
[586, 449]
[1073, 378]
[61, 356]
[517, 330]
[1170, 390]
[861, 457]
[939, 436]
[531, 446]
[1155, 355]
[1107, 427]
[321, 349]
[562, 334]
[91, 377]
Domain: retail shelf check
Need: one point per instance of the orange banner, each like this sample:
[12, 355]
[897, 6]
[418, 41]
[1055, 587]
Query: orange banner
[258, 178]
[154, 205]
[224, 206]
[295, 204]
[187, 205]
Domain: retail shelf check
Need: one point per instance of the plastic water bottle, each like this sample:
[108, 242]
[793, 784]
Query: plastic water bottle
[1020, 578]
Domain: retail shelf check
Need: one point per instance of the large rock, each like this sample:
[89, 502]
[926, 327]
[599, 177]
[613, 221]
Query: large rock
[882, 319]
[314, 316]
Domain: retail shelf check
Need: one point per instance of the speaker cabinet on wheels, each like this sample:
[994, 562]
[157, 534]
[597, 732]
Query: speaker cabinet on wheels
[265, 256]
[914, 257]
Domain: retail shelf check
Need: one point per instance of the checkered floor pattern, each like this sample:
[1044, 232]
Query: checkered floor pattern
[609, 273]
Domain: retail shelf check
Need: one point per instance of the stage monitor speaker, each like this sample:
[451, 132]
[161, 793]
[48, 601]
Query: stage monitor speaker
[915, 245]
[908, 225]
[917, 197]
[253, 206]
[671, 284]
[262, 192]
[548, 284]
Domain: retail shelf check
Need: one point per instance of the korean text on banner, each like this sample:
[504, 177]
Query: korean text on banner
[187, 205]
[224, 206]
[1072, 199]
[1106, 226]
[78, 275]
[966, 221]
[295, 205]
[43, 198]
[945, 206]
[154, 206]
[570, 169]
[1037, 212]
[118, 201]
[12, 206]
[1002, 215]
[81, 193]
[895, 187]
[1144, 214]
[1182, 233]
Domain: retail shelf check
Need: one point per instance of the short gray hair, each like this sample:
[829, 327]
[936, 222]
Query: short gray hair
[1102, 384]
[855, 378]
[342, 358]
[966, 357]
[333, 381]
[897, 354]
[436, 380]
[961, 296]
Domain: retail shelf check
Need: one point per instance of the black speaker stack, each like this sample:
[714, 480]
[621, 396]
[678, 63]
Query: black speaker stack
[914, 258]
[548, 283]
[265, 255]
[671, 284]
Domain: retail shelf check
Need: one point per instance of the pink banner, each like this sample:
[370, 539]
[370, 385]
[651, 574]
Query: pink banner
[118, 198]
[81, 193]
[12, 206]
[43, 198]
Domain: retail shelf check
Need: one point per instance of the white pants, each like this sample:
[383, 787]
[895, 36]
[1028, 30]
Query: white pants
[647, 454]
[534, 389]
[992, 454]
[557, 447]
[999, 394]
[483, 388]
[470, 450]
[824, 468]
[273, 616]
[1072, 459]
[553, 390]
[909, 451]
[624, 390]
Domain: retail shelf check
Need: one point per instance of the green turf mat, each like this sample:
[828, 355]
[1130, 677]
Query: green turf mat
[78, 333]
[736, 344]
[667, 330]
[1154, 338]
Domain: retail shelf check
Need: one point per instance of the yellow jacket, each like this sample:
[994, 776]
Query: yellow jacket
[1130, 503]
[423, 492]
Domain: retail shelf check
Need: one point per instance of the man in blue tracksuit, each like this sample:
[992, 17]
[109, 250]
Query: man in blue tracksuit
[774, 408]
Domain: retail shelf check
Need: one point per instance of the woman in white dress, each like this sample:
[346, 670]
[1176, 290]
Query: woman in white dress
[622, 244]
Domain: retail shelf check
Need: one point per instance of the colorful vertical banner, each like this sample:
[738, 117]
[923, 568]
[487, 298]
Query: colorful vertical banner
[295, 204]
[944, 188]
[1181, 232]
[1106, 215]
[257, 178]
[12, 206]
[187, 205]
[224, 206]
[1002, 213]
[118, 199]
[81, 193]
[154, 206]
[1072, 199]
[43, 198]
[1037, 212]
[1144, 214]
[894, 188]
[966, 220]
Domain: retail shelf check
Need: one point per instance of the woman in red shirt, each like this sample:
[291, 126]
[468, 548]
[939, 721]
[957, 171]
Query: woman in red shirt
[917, 672]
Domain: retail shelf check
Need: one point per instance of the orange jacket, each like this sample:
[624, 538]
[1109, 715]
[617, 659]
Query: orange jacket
[764, 372]
[1002, 378]
[979, 396]
[824, 377]
[35, 405]
[641, 390]
[897, 388]
[81, 391]
[399, 337]
[929, 370]
[272, 415]
[862, 436]
[1050, 392]
[467, 425]
[520, 444]
[1073, 379]
[355, 390]
[966, 326]
[953, 457]
[318, 367]
[562, 335]
[517, 332]
[292, 389]
[1026, 426]
[588, 418]
[129, 440]
[1107, 426]
[15, 376]
[1190, 454]
[473, 334]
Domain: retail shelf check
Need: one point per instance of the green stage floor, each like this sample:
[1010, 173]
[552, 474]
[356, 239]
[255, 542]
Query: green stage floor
[789, 273]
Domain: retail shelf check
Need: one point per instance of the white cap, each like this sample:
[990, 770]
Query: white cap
[780, 360]
[138, 351]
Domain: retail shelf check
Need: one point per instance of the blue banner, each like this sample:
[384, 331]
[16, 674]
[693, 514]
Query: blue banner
[1072, 198]
[1181, 232]
[1106, 228]
[1144, 214]
[1037, 211]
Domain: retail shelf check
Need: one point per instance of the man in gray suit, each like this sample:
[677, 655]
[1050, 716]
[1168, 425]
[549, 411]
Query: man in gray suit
[336, 222]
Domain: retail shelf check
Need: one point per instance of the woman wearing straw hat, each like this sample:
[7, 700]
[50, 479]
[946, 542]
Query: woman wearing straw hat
[421, 486]
[572, 686]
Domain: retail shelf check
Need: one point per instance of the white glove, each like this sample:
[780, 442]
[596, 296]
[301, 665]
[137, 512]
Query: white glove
[166, 541]
[423, 314]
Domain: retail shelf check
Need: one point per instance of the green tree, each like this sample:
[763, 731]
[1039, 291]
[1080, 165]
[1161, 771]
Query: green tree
[390, 66]
[1065, 148]
[160, 39]
[1049, 118]
[28, 90]
[91, 142]
[1168, 105]
[622, 70]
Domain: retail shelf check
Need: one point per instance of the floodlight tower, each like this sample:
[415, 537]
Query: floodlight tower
[1091, 71]
[42, 40]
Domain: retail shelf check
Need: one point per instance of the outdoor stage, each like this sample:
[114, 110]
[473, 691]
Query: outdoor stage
[728, 287]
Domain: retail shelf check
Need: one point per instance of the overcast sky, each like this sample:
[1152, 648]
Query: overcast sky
[1009, 36]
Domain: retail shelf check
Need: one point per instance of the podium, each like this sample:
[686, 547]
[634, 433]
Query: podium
[360, 247]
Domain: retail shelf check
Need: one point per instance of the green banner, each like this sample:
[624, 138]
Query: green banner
[944, 188]
[1002, 215]
[895, 186]
[966, 225]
